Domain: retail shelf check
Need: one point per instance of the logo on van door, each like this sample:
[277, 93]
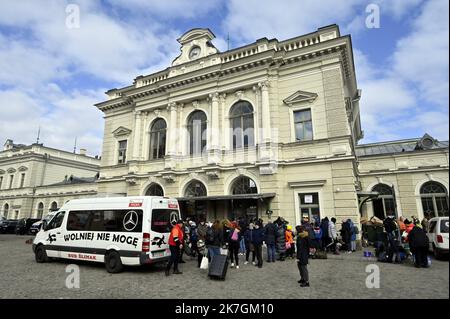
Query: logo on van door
[173, 218]
[130, 220]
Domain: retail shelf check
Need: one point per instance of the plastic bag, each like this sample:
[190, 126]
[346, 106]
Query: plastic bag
[204, 263]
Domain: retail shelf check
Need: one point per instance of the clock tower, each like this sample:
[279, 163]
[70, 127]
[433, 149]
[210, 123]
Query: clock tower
[195, 44]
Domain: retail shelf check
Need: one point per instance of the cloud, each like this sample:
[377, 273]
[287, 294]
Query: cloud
[168, 10]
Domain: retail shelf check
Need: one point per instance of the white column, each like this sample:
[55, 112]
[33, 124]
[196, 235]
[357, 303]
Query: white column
[265, 110]
[137, 135]
[224, 126]
[172, 129]
[181, 133]
[215, 132]
[145, 140]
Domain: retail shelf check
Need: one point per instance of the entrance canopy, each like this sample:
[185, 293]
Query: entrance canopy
[228, 197]
[365, 197]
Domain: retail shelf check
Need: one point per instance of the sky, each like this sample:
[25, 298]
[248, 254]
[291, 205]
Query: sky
[55, 65]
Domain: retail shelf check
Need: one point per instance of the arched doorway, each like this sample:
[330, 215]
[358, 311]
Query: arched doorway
[245, 207]
[384, 205]
[154, 190]
[434, 199]
[195, 208]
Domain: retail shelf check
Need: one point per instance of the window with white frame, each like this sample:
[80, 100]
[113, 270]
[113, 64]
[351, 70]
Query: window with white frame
[241, 118]
[303, 125]
[158, 133]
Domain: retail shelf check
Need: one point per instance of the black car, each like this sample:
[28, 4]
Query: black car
[24, 224]
[8, 226]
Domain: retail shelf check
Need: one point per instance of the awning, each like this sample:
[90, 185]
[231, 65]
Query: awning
[228, 197]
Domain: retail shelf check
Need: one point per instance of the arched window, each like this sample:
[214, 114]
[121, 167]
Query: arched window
[244, 185]
[384, 205]
[5, 210]
[195, 189]
[154, 190]
[40, 210]
[196, 127]
[434, 199]
[158, 139]
[54, 207]
[241, 117]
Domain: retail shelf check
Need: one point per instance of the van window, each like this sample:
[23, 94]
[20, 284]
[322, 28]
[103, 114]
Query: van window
[77, 220]
[56, 221]
[161, 219]
[106, 220]
[444, 226]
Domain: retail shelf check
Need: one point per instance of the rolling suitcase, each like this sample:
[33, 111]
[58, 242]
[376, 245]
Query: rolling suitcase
[218, 267]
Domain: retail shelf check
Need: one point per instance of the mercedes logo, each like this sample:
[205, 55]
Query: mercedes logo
[130, 220]
[173, 218]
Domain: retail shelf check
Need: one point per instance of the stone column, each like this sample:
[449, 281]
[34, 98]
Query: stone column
[224, 126]
[172, 147]
[137, 136]
[215, 132]
[265, 110]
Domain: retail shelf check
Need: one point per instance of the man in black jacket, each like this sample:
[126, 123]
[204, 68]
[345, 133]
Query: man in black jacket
[303, 244]
[419, 244]
[270, 231]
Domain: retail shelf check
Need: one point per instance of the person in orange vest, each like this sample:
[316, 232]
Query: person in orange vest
[175, 245]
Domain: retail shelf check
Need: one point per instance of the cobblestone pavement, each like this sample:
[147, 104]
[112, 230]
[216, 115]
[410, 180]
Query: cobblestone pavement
[341, 276]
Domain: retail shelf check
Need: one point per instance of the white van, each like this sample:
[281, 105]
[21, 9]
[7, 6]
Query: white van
[116, 230]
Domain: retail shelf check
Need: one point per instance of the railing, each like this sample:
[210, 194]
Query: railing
[298, 43]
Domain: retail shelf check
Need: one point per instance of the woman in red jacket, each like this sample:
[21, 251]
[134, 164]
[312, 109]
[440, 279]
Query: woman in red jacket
[175, 245]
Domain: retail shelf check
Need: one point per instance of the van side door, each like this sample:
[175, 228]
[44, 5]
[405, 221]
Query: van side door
[54, 234]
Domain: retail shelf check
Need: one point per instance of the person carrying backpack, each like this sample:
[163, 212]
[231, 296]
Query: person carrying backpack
[214, 239]
[234, 239]
[391, 230]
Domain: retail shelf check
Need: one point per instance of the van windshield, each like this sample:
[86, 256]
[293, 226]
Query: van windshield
[444, 226]
[161, 219]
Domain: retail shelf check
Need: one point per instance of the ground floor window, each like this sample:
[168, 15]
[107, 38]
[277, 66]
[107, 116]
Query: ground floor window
[434, 199]
[309, 207]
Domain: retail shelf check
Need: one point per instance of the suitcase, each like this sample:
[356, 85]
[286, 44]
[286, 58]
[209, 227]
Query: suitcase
[320, 254]
[218, 267]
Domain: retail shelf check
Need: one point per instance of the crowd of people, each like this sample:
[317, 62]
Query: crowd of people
[403, 238]
[244, 241]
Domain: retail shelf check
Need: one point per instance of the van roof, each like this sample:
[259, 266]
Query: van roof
[109, 200]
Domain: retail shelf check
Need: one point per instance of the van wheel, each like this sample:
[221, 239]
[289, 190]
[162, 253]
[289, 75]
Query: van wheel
[113, 263]
[40, 254]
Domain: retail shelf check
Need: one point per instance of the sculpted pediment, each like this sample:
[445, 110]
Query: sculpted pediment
[299, 97]
[121, 131]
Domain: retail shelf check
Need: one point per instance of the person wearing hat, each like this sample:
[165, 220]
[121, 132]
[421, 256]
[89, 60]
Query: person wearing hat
[175, 245]
[303, 243]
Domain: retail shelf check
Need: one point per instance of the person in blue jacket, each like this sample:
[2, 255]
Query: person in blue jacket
[317, 236]
[249, 247]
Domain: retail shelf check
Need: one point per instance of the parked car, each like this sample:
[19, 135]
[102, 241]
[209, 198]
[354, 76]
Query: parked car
[24, 224]
[438, 236]
[36, 227]
[8, 226]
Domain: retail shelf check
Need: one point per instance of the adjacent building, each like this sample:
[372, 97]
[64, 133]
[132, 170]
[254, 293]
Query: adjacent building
[35, 179]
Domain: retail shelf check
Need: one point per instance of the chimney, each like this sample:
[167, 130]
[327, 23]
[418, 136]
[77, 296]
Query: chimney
[83, 151]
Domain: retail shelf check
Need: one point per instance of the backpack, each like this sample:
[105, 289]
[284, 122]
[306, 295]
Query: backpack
[194, 235]
[355, 230]
[210, 234]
